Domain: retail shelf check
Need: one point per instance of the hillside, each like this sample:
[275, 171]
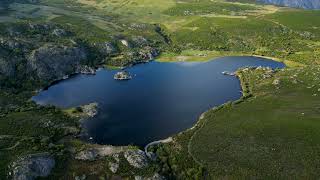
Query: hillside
[306, 4]
[270, 133]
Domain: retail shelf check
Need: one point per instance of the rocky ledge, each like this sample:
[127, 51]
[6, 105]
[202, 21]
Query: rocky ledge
[99, 151]
[135, 157]
[156, 176]
[32, 166]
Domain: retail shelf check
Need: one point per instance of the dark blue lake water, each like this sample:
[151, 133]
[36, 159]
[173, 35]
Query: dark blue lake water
[161, 100]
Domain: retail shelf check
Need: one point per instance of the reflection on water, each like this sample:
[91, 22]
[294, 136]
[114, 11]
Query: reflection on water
[161, 100]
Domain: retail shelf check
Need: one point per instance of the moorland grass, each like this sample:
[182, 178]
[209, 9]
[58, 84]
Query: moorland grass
[273, 134]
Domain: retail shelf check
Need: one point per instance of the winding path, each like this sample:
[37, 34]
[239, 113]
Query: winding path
[195, 133]
[169, 139]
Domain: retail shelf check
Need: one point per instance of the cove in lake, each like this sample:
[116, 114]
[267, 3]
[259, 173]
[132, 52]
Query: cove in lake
[161, 100]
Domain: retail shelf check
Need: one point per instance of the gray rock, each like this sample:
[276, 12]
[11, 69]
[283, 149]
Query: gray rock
[85, 70]
[70, 130]
[306, 4]
[106, 48]
[122, 75]
[7, 68]
[83, 177]
[138, 178]
[94, 153]
[91, 109]
[140, 41]
[148, 53]
[113, 167]
[125, 42]
[59, 32]
[136, 158]
[156, 176]
[39, 27]
[52, 62]
[32, 166]
[87, 155]
[137, 26]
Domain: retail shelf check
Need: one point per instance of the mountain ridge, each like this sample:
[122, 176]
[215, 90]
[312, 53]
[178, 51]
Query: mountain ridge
[305, 4]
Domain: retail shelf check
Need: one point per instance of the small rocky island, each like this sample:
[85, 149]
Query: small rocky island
[122, 75]
[228, 73]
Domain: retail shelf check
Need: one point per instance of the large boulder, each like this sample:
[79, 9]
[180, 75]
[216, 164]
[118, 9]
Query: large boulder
[136, 158]
[32, 166]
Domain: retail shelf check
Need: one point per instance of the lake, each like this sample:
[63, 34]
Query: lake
[161, 100]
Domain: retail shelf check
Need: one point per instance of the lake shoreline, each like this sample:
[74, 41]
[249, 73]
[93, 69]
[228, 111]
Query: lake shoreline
[196, 121]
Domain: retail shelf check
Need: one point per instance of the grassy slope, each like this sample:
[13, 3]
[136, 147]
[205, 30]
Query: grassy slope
[274, 134]
[202, 30]
[266, 31]
[27, 128]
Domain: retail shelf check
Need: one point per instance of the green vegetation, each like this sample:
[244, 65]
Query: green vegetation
[274, 134]
[27, 128]
[270, 133]
[207, 7]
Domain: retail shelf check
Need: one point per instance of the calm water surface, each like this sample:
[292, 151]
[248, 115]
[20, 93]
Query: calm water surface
[161, 100]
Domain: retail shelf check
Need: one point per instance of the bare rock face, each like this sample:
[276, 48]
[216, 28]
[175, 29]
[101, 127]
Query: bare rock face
[94, 153]
[156, 176]
[306, 4]
[52, 62]
[140, 41]
[136, 158]
[6, 68]
[88, 155]
[107, 48]
[32, 167]
[114, 166]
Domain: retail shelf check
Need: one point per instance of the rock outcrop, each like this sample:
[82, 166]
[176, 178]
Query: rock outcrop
[90, 110]
[59, 32]
[87, 155]
[106, 48]
[6, 68]
[114, 166]
[156, 176]
[122, 75]
[306, 4]
[96, 152]
[136, 158]
[52, 62]
[32, 167]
